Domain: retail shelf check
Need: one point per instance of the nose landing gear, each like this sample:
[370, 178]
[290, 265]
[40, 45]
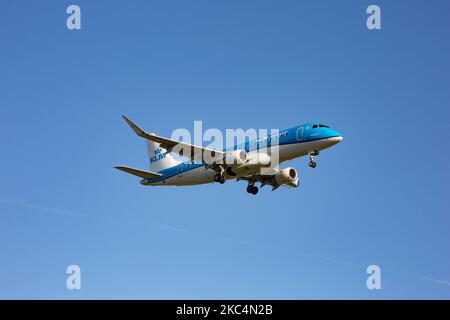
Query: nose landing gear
[312, 156]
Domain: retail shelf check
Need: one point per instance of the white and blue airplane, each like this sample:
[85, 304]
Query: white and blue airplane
[248, 160]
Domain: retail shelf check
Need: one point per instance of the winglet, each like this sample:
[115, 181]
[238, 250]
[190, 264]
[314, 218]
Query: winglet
[134, 126]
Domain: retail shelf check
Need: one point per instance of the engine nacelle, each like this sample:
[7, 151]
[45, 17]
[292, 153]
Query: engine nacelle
[235, 157]
[287, 176]
[252, 166]
[258, 159]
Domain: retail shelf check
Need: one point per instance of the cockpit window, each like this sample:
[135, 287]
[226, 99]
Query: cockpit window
[315, 126]
[323, 126]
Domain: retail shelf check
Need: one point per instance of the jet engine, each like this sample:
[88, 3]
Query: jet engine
[287, 176]
[235, 157]
[251, 166]
[258, 159]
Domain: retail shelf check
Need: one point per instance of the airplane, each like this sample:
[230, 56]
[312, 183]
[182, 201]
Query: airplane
[245, 161]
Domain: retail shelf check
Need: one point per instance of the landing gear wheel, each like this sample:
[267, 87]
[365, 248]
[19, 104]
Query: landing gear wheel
[219, 178]
[252, 189]
[312, 156]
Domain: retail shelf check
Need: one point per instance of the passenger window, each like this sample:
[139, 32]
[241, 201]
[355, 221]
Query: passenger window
[315, 126]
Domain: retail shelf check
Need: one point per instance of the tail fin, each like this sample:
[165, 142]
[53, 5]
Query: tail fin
[159, 158]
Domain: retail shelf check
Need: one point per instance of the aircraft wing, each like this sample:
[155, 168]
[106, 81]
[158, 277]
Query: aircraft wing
[184, 149]
[139, 173]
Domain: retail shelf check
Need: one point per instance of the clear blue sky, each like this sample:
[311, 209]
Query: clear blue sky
[380, 197]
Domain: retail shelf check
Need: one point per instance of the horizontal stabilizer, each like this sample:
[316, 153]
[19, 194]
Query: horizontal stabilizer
[139, 173]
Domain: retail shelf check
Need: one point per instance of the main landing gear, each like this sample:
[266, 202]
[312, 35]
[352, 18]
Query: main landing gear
[312, 156]
[252, 189]
[218, 177]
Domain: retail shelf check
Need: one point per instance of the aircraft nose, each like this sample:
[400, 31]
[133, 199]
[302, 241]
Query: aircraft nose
[335, 140]
[336, 136]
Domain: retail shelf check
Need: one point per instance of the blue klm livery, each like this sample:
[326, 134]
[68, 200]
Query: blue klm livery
[252, 161]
